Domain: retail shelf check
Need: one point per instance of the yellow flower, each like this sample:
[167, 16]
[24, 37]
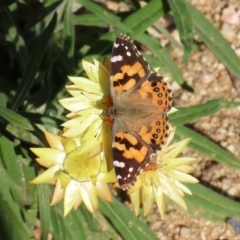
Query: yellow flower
[79, 162]
[78, 177]
[163, 178]
[90, 97]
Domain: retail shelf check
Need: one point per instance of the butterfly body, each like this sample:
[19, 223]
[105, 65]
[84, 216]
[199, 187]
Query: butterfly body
[140, 100]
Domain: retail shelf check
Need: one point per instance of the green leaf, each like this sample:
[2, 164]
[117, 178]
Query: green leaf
[82, 224]
[211, 205]
[193, 113]
[44, 209]
[139, 20]
[15, 119]
[144, 17]
[18, 171]
[215, 41]
[125, 221]
[15, 229]
[183, 20]
[33, 65]
[163, 58]
[68, 35]
[207, 147]
[104, 14]
[89, 19]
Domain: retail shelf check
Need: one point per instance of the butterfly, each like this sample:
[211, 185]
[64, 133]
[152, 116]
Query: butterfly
[140, 100]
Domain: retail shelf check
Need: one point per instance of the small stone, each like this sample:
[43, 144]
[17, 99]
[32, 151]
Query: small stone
[230, 16]
[184, 231]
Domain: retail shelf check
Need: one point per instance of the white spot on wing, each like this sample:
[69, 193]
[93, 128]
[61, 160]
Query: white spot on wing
[126, 47]
[129, 175]
[119, 177]
[116, 58]
[130, 169]
[118, 164]
[128, 54]
[116, 45]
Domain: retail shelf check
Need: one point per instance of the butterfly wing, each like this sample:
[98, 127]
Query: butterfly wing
[130, 155]
[140, 102]
[128, 67]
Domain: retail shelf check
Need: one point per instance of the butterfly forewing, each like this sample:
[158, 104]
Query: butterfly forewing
[128, 67]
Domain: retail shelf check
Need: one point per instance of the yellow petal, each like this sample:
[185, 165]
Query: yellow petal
[109, 177]
[160, 200]
[137, 185]
[77, 202]
[103, 191]
[57, 194]
[103, 78]
[74, 104]
[48, 176]
[170, 191]
[175, 149]
[85, 195]
[86, 85]
[70, 196]
[90, 70]
[182, 187]
[55, 141]
[51, 156]
[71, 145]
[171, 163]
[44, 162]
[185, 168]
[135, 200]
[77, 121]
[183, 177]
[148, 199]
[93, 196]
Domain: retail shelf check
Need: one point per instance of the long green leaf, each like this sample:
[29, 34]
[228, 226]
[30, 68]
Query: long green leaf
[68, 35]
[44, 209]
[215, 41]
[207, 147]
[15, 119]
[89, 20]
[82, 224]
[183, 20]
[211, 205]
[125, 221]
[18, 172]
[139, 20]
[104, 14]
[193, 113]
[9, 209]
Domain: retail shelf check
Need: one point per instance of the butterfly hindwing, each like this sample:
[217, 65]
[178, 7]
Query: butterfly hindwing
[130, 156]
